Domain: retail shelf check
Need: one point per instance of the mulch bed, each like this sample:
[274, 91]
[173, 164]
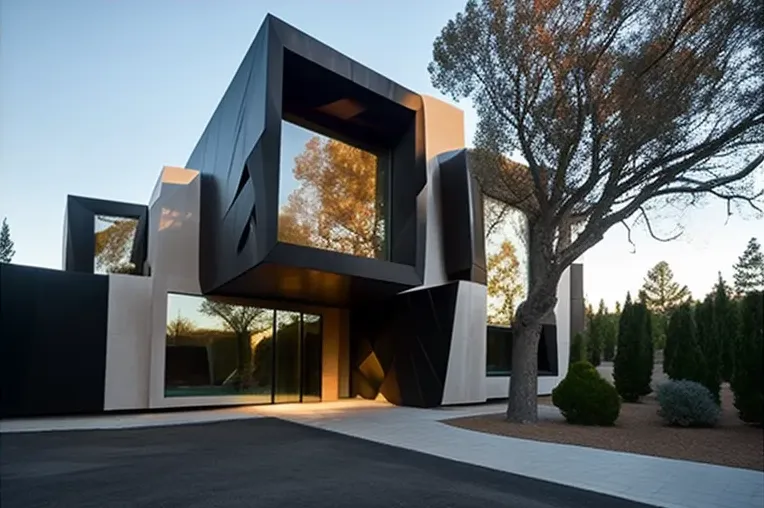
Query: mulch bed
[640, 430]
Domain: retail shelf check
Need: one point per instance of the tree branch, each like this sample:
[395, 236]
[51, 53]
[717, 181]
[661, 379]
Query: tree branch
[650, 228]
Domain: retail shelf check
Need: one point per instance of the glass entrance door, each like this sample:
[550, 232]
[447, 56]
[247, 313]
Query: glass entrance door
[297, 357]
[312, 358]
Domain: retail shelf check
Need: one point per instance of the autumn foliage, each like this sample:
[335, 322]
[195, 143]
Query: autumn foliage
[336, 207]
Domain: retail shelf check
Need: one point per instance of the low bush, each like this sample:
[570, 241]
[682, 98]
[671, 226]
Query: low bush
[687, 404]
[585, 398]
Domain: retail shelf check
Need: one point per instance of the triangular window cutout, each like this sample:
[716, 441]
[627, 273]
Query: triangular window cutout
[242, 181]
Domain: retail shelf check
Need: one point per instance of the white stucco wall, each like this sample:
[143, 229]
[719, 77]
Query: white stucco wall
[465, 377]
[126, 384]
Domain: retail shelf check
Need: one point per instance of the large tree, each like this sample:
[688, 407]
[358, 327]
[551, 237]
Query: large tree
[661, 293]
[337, 205]
[6, 244]
[749, 269]
[617, 107]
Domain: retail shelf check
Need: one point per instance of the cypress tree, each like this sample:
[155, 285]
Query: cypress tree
[749, 269]
[709, 346]
[594, 338]
[628, 359]
[748, 376]
[643, 320]
[683, 359]
[725, 326]
[578, 349]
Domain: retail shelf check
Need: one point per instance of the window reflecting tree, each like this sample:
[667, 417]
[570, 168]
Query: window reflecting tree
[506, 257]
[337, 205]
[114, 238]
[505, 287]
[243, 322]
[180, 326]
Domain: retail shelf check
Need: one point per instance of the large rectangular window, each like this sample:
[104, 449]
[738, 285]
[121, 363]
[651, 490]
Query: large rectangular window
[332, 195]
[215, 348]
[499, 351]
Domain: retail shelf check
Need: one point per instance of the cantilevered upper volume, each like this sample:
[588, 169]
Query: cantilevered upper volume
[276, 220]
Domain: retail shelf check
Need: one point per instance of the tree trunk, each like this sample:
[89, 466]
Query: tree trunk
[245, 360]
[526, 328]
[523, 385]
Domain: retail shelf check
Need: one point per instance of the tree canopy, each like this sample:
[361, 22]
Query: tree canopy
[617, 108]
[661, 293]
[749, 269]
[242, 320]
[336, 206]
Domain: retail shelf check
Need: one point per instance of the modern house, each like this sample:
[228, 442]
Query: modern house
[326, 238]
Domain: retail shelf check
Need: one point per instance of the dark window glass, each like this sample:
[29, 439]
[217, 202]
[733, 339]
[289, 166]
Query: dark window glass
[287, 357]
[499, 351]
[332, 195]
[312, 358]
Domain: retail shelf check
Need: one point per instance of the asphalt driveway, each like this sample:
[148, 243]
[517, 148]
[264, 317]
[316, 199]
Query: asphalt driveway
[254, 463]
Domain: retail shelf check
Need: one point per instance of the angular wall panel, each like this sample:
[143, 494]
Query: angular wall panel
[463, 231]
[400, 348]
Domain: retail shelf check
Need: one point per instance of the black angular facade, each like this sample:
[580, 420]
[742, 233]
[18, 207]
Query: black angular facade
[400, 348]
[287, 75]
[464, 236]
[79, 225]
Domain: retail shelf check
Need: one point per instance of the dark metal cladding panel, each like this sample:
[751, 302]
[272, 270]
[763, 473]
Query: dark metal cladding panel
[462, 219]
[52, 341]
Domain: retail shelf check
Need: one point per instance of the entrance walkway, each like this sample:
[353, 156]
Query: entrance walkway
[660, 482]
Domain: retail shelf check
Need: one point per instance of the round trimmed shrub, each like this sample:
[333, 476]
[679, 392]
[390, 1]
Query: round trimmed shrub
[585, 398]
[687, 404]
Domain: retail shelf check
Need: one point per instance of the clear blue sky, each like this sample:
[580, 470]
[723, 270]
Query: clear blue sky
[97, 95]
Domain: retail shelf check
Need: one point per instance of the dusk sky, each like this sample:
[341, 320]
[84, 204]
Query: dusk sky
[97, 95]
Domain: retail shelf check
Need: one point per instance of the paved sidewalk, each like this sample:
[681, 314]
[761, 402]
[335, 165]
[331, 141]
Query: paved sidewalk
[661, 482]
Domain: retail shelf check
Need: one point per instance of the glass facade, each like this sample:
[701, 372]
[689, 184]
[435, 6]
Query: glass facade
[332, 195]
[218, 349]
[114, 238]
[506, 248]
